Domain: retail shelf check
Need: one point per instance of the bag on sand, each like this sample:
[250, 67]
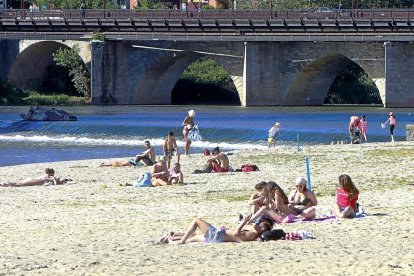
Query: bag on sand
[143, 181]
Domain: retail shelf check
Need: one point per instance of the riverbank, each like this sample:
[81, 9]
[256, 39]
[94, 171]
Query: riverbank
[99, 226]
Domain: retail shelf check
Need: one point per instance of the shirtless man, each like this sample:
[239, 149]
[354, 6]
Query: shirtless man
[171, 148]
[159, 173]
[148, 156]
[218, 163]
[210, 234]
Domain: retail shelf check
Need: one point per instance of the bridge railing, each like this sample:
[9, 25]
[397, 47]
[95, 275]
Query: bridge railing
[377, 14]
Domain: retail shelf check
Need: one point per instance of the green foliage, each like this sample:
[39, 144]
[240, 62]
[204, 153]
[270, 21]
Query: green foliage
[151, 4]
[10, 95]
[206, 71]
[98, 36]
[70, 59]
[36, 98]
[353, 86]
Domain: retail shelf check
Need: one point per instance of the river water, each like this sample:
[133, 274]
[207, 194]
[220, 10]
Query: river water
[108, 132]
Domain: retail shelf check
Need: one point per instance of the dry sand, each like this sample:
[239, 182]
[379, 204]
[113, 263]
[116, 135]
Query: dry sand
[100, 227]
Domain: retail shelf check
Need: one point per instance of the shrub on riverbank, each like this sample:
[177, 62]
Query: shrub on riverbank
[59, 99]
[10, 95]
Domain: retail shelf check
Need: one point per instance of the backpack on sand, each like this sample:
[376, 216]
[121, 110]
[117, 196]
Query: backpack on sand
[143, 181]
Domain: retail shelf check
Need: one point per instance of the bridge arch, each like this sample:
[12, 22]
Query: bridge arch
[315, 77]
[31, 65]
[160, 78]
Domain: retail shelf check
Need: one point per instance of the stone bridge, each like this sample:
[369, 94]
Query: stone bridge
[264, 73]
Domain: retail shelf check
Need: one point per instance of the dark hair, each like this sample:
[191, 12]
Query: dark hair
[260, 185]
[216, 150]
[147, 142]
[171, 133]
[49, 171]
[267, 221]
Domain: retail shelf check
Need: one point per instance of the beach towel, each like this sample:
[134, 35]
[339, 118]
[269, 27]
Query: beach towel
[143, 181]
[194, 134]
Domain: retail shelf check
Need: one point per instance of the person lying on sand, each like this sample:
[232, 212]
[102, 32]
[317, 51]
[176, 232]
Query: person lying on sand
[211, 234]
[218, 163]
[48, 179]
[119, 163]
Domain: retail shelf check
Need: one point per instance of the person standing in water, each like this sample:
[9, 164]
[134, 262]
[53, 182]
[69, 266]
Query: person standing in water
[392, 122]
[273, 134]
[364, 127]
[188, 124]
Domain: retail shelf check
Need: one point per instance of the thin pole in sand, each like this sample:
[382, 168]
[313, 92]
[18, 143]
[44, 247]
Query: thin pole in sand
[297, 140]
[308, 173]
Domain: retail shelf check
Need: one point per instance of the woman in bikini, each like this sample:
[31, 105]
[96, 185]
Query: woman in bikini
[188, 124]
[302, 200]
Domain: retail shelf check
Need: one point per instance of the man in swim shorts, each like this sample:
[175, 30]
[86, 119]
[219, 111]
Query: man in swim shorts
[218, 163]
[171, 148]
[211, 234]
[148, 156]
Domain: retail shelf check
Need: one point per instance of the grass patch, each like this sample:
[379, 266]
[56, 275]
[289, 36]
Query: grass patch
[398, 153]
[58, 99]
[218, 196]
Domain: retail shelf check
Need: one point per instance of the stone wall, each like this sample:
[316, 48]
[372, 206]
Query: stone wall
[409, 129]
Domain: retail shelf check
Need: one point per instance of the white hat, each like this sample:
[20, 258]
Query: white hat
[191, 113]
[277, 124]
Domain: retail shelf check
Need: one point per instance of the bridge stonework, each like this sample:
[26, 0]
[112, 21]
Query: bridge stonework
[9, 50]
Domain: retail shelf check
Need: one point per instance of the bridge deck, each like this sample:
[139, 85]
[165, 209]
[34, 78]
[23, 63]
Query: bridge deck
[368, 25]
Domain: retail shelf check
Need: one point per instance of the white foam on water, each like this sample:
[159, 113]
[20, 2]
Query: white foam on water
[73, 140]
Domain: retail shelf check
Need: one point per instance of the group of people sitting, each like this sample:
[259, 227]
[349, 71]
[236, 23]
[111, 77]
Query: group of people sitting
[270, 205]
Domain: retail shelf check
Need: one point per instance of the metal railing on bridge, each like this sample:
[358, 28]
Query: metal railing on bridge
[377, 14]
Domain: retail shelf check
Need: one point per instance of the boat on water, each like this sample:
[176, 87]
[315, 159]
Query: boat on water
[47, 114]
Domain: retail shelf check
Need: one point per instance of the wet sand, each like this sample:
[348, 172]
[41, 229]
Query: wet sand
[98, 226]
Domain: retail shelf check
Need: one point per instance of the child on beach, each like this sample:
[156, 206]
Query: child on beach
[175, 174]
[364, 127]
[346, 198]
[171, 148]
[393, 122]
[273, 134]
[188, 124]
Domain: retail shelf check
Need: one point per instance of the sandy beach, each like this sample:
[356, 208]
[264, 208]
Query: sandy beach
[98, 226]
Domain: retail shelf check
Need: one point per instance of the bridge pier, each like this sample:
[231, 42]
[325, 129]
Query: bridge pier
[399, 72]
[9, 50]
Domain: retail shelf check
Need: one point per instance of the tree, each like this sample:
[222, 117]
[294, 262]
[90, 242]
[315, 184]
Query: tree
[70, 59]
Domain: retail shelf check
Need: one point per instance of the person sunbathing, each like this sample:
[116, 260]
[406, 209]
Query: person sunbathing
[159, 172]
[302, 200]
[175, 174]
[48, 179]
[275, 205]
[346, 198]
[218, 163]
[257, 199]
[211, 234]
[118, 163]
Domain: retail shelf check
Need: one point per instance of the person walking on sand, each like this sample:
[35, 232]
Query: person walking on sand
[273, 134]
[188, 124]
[211, 234]
[364, 127]
[171, 148]
[393, 122]
[346, 198]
